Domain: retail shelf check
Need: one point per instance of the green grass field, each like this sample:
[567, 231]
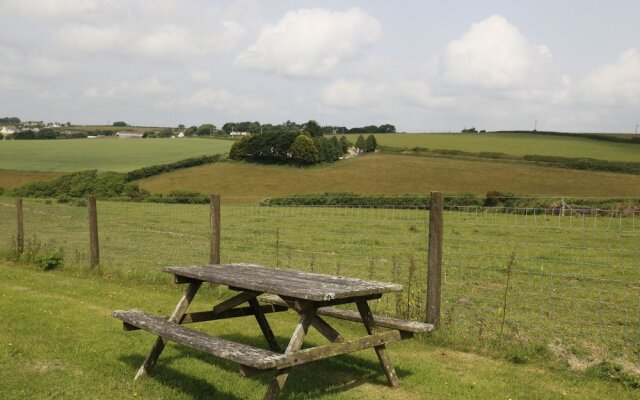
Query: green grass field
[120, 155]
[518, 144]
[393, 175]
[584, 264]
[58, 341]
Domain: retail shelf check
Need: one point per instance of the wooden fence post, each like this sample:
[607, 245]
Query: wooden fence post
[20, 232]
[434, 272]
[93, 232]
[214, 255]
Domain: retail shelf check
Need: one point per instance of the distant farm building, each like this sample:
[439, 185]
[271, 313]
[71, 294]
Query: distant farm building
[129, 135]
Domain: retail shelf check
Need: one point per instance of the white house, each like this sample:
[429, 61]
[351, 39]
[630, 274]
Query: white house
[129, 135]
[234, 133]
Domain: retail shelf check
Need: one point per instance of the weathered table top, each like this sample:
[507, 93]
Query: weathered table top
[285, 282]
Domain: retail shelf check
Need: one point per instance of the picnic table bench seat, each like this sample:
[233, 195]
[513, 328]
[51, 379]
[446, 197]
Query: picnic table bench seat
[393, 323]
[239, 353]
[254, 358]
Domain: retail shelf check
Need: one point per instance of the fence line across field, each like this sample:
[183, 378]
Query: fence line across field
[522, 273]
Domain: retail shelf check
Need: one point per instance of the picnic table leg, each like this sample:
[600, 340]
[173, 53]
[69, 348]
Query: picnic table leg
[264, 325]
[177, 314]
[294, 345]
[381, 351]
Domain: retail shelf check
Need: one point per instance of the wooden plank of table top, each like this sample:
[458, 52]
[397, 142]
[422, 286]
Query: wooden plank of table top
[290, 275]
[297, 284]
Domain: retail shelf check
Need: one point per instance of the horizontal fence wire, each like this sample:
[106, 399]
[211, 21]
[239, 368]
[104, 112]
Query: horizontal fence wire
[387, 244]
[561, 274]
[569, 276]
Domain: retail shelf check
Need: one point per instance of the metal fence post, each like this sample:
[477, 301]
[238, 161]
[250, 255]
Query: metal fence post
[20, 231]
[93, 232]
[214, 255]
[434, 272]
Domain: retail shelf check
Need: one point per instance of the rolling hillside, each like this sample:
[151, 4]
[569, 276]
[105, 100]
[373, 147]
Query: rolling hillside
[392, 175]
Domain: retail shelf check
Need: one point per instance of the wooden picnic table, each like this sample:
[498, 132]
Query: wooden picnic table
[311, 295]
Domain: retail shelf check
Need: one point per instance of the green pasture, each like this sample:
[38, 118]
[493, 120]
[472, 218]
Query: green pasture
[518, 144]
[104, 154]
[391, 174]
[59, 341]
[574, 282]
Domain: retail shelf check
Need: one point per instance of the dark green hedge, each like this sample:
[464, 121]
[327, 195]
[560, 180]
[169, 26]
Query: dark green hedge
[180, 197]
[591, 164]
[153, 170]
[355, 200]
[500, 201]
[82, 184]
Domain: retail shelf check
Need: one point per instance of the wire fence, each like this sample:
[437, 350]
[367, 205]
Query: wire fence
[568, 278]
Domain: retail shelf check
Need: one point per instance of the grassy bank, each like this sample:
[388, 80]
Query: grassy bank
[384, 174]
[11, 179]
[58, 341]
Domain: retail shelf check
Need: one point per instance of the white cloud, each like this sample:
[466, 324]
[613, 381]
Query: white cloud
[493, 54]
[92, 39]
[614, 84]
[310, 42]
[218, 100]
[50, 9]
[382, 94]
[168, 41]
[129, 89]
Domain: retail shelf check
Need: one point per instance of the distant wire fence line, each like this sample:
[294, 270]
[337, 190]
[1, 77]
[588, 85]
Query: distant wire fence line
[560, 274]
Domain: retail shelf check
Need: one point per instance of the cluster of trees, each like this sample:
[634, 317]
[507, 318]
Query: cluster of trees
[202, 130]
[10, 121]
[472, 130]
[385, 128]
[368, 145]
[255, 128]
[302, 147]
[42, 134]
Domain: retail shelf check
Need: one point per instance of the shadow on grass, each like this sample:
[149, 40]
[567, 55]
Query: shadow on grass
[320, 378]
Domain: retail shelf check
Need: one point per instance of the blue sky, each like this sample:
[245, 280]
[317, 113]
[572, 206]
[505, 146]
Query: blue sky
[420, 65]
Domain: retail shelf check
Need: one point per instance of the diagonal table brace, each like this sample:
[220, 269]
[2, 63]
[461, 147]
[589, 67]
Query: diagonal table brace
[176, 316]
[295, 344]
[318, 323]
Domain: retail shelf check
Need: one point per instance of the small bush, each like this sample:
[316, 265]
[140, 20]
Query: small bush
[51, 260]
[525, 353]
[610, 371]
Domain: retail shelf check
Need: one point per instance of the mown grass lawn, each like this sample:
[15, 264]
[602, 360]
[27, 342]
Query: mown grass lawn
[518, 144]
[58, 341]
[111, 154]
